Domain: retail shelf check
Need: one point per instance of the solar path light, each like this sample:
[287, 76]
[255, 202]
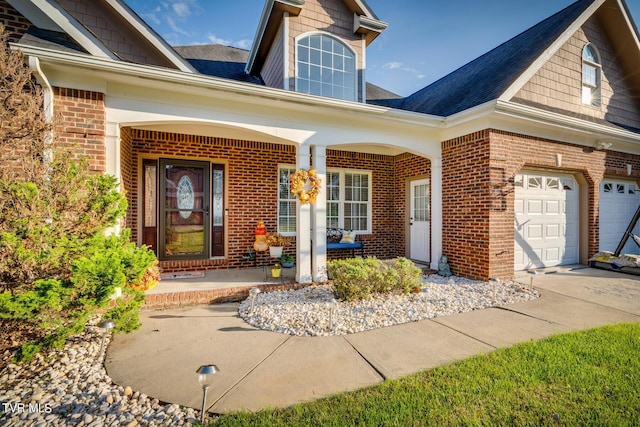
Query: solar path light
[253, 293]
[106, 325]
[205, 377]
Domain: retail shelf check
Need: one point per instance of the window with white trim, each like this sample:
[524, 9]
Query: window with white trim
[325, 66]
[591, 76]
[349, 199]
[286, 202]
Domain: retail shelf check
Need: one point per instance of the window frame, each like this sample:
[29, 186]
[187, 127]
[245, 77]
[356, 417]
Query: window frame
[342, 200]
[292, 199]
[297, 62]
[595, 90]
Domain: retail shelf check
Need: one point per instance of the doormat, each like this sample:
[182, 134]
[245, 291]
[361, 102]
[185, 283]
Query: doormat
[182, 275]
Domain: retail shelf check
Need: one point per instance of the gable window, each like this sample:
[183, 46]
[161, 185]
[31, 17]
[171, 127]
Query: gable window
[325, 66]
[591, 76]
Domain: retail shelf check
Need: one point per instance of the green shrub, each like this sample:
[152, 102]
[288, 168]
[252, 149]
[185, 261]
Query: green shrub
[358, 278]
[57, 266]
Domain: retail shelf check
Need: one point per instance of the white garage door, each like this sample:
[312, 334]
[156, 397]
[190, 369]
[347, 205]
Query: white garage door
[618, 202]
[546, 220]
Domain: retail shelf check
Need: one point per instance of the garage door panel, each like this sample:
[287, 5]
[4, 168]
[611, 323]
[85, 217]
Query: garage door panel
[534, 232]
[553, 207]
[547, 229]
[534, 207]
[552, 231]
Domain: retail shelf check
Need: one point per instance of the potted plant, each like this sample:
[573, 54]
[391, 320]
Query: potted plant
[276, 242]
[276, 270]
[287, 260]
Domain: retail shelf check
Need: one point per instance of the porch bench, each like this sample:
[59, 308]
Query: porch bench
[334, 241]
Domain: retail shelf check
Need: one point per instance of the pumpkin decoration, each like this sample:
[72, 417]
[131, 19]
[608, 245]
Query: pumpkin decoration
[299, 180]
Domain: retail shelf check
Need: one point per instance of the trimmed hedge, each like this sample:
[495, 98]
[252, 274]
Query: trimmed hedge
[359, 278]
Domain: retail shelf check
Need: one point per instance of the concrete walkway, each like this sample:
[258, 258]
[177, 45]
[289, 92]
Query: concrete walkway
[260, 369]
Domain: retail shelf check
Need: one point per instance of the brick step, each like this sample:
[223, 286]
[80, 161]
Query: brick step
[210, 296]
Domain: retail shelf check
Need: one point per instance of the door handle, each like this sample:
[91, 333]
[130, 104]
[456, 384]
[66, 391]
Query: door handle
[206, 211]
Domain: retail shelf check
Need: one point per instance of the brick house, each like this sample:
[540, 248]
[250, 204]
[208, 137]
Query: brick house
[528, 156]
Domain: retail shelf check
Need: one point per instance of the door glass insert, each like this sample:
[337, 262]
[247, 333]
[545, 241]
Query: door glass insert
[185, 187]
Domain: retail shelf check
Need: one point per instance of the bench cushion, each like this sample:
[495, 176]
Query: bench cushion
[356, 245]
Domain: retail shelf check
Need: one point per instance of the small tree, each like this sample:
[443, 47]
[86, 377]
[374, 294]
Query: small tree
[57, 265]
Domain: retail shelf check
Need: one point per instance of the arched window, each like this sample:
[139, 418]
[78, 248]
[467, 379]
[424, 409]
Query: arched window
[591, 75]
[325, 66]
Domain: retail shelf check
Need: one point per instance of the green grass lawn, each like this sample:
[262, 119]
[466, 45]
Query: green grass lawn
[589, 378]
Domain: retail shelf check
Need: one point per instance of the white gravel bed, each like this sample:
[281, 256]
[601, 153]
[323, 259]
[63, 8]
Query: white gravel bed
[70, 387]
[311, 312]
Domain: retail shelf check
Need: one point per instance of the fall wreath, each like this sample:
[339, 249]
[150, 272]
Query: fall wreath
[299, 180]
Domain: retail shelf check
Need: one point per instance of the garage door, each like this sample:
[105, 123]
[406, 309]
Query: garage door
[546, 220]
[618, 202]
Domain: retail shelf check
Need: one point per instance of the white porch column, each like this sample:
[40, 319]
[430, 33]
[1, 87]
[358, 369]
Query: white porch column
[303, 225]
[436, 212]
[319, 217]
[113, 161]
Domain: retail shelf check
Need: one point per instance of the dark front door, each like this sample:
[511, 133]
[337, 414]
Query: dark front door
[184, 209]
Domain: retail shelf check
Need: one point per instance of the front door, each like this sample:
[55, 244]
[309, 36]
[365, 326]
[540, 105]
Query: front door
[420, 221]
[184, 209]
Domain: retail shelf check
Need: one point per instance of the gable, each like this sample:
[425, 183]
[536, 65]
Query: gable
[558, 83]
[115, 32]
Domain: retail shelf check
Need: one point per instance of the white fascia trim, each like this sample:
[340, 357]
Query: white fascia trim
[158, 42]
[364, 22]
[554, 119]
[285, 51]
[547, 54]
[262, 26]
[629, 20]
[367, 10]
[74, 29]
[165, 75]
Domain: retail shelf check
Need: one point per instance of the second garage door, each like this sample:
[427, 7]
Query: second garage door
[546, 220]
[618, 202]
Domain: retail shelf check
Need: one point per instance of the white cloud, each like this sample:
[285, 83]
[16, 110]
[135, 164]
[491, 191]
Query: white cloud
[400, 66]
[392, 65]
[181, 9]
[242, 44]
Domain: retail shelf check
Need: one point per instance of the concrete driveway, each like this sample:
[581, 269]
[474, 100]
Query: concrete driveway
[260, 369]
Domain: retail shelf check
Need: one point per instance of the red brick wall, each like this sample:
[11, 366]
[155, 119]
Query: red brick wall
[127, 185]
[15, 24]
[81, 124]
[479, 195]
[465, 204]
[407, 166]
[252, 184]
[252, 174]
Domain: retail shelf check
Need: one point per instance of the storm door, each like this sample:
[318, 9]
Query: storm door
[184, 209]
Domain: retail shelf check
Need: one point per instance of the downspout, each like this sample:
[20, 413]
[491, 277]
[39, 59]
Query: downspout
[34, 64]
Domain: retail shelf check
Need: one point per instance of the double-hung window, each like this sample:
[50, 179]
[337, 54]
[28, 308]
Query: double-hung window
[591, 76]
[349, 199]
[286, 202]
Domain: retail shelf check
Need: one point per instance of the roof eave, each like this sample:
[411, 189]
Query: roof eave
[150, 35]
[536, 65]
[268, 14]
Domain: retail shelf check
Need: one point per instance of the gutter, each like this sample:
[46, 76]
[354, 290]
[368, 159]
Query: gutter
[547, 117]
[200, 81]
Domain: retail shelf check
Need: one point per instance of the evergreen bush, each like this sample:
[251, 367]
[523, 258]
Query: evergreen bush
[359, 278]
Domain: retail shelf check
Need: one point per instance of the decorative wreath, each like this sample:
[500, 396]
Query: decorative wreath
[298, 181]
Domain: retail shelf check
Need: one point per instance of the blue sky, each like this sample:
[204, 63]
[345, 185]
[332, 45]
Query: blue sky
[425, 40]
